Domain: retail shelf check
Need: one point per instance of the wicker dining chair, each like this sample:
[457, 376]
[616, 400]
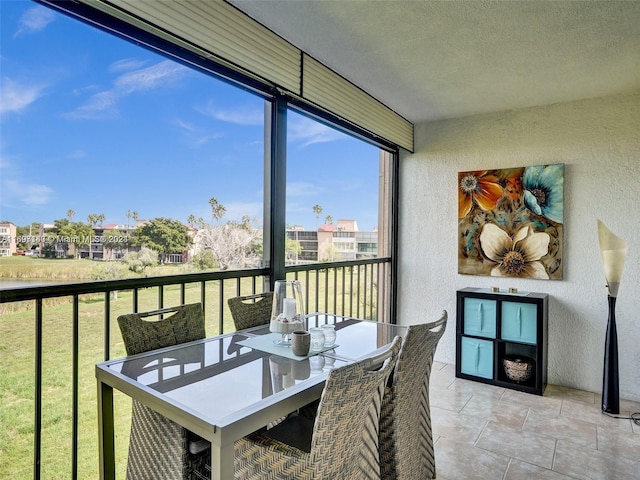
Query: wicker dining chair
[328, 447]
[159, 448]
[251, 310]
[406, 438]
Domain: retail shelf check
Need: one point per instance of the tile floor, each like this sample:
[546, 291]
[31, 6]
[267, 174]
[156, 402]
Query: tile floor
[492, 433]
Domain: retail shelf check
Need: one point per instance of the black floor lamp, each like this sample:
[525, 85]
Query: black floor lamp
[614, 252]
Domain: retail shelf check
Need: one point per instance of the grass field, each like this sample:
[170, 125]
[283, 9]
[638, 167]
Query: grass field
[17, 340]
[21, 267]
[17, 347]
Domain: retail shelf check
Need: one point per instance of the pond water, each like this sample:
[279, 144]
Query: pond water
[6, 283]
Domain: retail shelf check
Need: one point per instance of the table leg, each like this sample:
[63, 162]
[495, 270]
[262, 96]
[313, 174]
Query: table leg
[222, 460]
[106, 432]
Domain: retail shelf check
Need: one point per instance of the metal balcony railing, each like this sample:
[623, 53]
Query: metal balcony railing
[52, 336]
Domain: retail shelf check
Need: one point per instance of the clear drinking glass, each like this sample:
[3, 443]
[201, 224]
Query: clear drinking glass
[329, 331]
[317, 338]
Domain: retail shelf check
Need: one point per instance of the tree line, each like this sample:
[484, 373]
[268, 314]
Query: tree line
[232, 244]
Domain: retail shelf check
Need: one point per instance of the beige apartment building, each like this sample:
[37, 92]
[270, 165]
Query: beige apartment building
[8, 233]
[342, 241]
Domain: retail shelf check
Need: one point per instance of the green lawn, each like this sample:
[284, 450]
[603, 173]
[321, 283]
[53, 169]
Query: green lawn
[17, 392]
[17, 346]
[21, 267]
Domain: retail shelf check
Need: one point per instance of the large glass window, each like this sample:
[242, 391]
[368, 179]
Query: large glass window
[105, 142]
[334, 195]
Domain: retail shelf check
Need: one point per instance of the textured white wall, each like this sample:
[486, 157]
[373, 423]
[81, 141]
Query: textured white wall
[598, 140]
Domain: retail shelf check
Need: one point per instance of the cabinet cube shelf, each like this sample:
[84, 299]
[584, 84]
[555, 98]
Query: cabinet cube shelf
[494, 326]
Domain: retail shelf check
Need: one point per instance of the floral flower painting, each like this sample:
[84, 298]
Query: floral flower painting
[510, 222]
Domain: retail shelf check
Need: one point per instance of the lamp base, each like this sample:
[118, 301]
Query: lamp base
[610, 381]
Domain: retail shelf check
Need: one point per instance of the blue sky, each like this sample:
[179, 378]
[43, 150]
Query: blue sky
[96, 124]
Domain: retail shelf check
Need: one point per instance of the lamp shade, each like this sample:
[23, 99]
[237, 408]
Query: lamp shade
[613, 251]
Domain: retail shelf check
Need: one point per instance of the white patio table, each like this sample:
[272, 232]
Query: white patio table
[222, 389]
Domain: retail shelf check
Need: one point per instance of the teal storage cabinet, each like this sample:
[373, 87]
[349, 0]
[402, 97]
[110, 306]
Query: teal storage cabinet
[477, 357]
[480, 317]
[492, 327]
[519, 322]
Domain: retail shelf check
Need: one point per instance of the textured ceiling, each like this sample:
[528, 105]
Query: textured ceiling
[430, 60]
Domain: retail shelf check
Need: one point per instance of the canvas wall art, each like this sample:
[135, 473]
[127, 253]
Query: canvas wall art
[510, 222]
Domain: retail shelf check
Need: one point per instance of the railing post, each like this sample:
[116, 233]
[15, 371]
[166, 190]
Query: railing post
[37, 428]
[221, 308]
[107, 325]
[75, 386]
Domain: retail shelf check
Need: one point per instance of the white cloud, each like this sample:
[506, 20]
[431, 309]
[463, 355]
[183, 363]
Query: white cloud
[105, 104]
[349, 185]
[307, 132]
[100, 105]
[35, 194]
[189, 127]
[126, 64]
[4, 161]
[76, 154]
[204, 139]
[16, 191]
[86, 90]
[303, 189]
[30, 194]
[195, 135]
[296, 207]
[34, 20]
[236, 210]
[149, 78]
[17, 96]
[238, 115]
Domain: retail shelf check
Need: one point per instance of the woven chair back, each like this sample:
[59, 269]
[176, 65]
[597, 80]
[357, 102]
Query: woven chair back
[251, 310]
[177, 325]
[159, 447]
[406, 438]
[351, 394]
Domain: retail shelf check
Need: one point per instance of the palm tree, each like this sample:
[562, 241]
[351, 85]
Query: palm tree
[217, 209]
[95, 219]
[70, 214]
[317, 209]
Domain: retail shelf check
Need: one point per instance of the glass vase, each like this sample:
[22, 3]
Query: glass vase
[288, 309]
